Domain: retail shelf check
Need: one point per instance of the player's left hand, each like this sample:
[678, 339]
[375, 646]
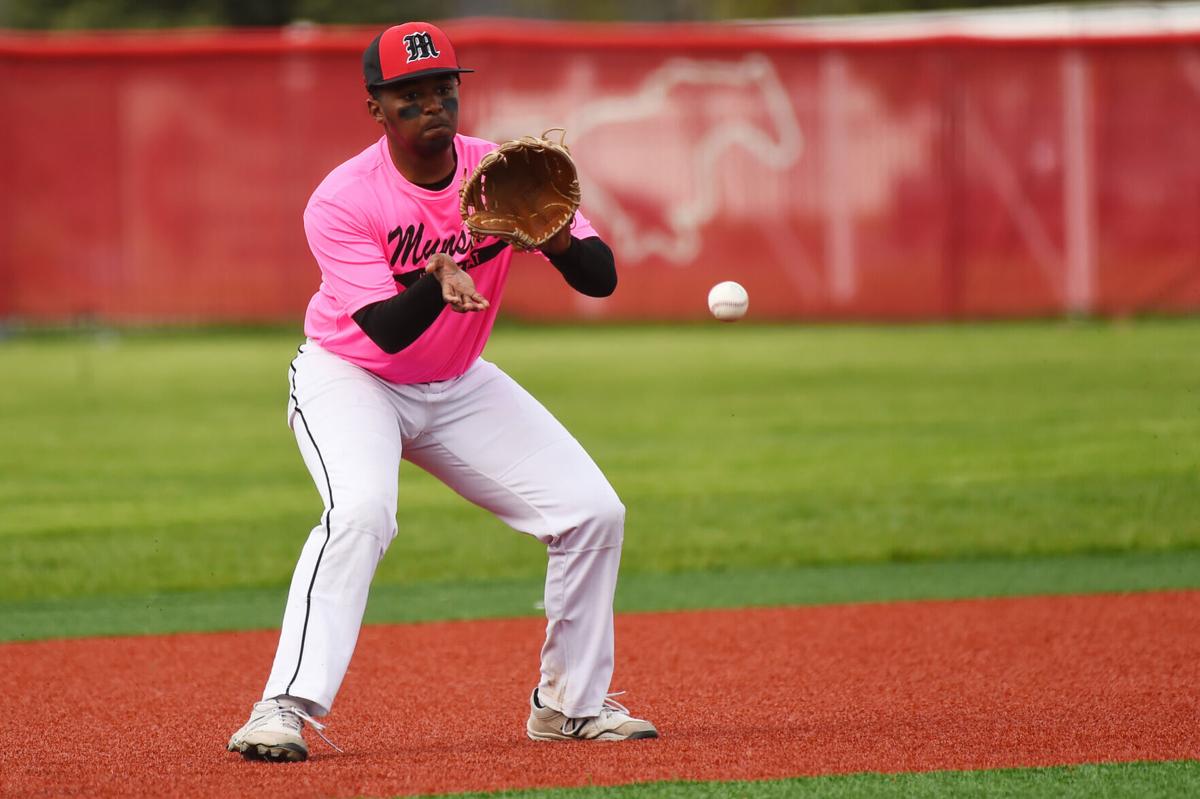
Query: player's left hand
[525, 192]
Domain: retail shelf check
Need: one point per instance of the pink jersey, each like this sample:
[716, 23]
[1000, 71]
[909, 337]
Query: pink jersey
[366, 226]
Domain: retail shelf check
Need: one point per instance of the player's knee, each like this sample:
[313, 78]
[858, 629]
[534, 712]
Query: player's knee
[365, 514]
[610, 511]
[606, 516]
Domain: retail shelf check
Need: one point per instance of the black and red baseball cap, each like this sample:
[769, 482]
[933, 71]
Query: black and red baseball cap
[404, 52]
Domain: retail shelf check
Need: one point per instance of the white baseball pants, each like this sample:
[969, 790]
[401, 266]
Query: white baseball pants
[493, 443]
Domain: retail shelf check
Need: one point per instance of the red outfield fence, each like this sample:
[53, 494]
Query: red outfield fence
[161, 177]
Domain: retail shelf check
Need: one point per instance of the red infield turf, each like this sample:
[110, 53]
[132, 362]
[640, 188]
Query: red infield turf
[737, 694]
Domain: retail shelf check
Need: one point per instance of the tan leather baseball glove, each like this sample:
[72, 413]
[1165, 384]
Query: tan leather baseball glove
[524, 192]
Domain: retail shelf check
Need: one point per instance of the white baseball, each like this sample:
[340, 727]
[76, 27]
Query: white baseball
[728, 301]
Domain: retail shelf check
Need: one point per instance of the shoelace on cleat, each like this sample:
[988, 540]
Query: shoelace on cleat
[572, 725]
[295, 718]
[613, 706]
[316, 725]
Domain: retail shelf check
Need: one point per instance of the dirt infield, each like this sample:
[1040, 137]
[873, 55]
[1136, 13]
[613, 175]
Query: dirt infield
[737, 695]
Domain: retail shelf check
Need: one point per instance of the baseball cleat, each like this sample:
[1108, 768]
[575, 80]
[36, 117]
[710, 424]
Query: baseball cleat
[273, 733]
[613, 724]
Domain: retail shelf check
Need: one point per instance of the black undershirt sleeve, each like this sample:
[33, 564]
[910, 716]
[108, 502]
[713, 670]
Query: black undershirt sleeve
[588, 267]
[398, 321]
[393, 324]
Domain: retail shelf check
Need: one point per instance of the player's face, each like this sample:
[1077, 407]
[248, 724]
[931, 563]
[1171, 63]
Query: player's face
[421, 114]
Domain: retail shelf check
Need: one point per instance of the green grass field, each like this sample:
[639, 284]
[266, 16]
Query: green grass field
[149, 483]
[1113, 781]
[157, 463]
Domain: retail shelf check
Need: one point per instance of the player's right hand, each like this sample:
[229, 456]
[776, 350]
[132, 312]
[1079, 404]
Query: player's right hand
[458, 289]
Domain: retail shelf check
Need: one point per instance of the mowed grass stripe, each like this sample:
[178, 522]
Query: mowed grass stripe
[261, 608]
[1112, 780]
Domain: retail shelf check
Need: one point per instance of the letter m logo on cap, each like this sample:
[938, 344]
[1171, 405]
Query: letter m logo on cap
[420, 46]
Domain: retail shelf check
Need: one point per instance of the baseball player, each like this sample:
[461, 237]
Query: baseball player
[391, 369]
